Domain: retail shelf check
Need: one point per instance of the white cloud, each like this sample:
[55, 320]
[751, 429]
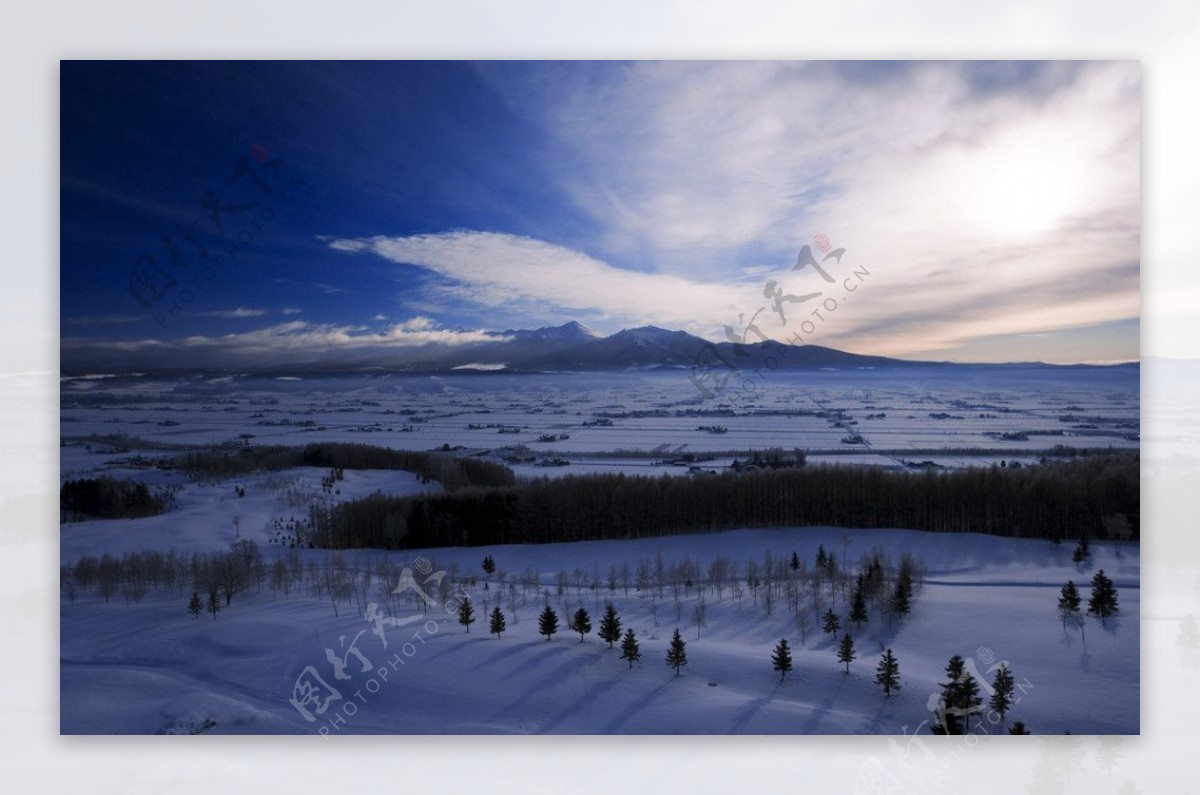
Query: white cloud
[1007, 179]
[503, 270]
[296, 338]
[290, 310]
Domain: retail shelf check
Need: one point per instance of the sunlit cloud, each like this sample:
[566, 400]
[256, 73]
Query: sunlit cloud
[500, 270]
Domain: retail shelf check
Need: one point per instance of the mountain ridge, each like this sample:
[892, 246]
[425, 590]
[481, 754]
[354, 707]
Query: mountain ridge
[573, 347]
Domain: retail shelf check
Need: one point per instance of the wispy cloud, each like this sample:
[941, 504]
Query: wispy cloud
[240, 312]
[280, 343]
[328, 289]
[102, 320]
[501, 270]
[290, 310]
[975, 192]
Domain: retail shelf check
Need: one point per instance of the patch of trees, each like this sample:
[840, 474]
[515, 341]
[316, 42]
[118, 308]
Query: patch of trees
[108, 498]
[216, 577]
[1068, 499]
[452, 472]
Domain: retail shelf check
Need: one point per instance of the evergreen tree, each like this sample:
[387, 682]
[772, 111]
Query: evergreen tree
[858, 603]
[466, 613]
[610, 625]
[214, 603]
[1002, 692]
[1068, 602]
[548, 622]
[581, 622]
[781, 658]
[960, 700]
[1018, 728]
[846, 651]
[629, 648]
[195, 608]
[822, 558]
[887, 674]
[489, 565]
[794, 562]
[1081, 553]
[677, 653]
[496, 624]
[902, 596]
[1103, 602]
[830, 622]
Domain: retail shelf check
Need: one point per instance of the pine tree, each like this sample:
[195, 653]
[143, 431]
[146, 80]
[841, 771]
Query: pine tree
[1068, 602]
[794, 562]
[1018, 728]
[677, 653]
[887, 674]
[781, 658]
[489, 565]
[195, 608]
[960, 700]
[610, 625]
[858, 603]
[830, 622]
[496, 624]
[581, 622]
[466, 613]
[547, 622]
[629, 648]
[822, 558]
[214, 604]
[1002, 692]
[1103, 602]
[846, 651]
[1081, 553]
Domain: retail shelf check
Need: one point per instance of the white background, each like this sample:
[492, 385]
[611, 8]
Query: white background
[34, 37]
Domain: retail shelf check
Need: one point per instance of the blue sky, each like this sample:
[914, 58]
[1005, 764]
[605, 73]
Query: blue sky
[995, 205]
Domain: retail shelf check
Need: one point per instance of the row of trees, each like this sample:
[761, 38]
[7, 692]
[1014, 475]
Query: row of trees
[134, 574]
[452, 472]
[1069, 499]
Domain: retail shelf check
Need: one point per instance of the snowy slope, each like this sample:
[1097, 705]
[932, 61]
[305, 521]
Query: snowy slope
[149, 667]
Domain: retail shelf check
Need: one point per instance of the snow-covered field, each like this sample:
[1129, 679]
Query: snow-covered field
[149, 667]
[1006, 414]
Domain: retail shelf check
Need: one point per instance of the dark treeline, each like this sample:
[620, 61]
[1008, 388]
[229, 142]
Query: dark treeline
[453, 473]
[1071, 499]
[108, 498]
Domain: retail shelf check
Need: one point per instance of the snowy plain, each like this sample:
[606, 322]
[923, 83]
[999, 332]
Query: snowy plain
[149, 667]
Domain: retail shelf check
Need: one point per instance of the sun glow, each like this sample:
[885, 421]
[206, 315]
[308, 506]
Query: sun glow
[1024, 186]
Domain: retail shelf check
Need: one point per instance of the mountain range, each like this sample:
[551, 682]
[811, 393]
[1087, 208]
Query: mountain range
[570, 347]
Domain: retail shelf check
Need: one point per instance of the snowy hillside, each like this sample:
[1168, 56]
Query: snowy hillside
[149, 667]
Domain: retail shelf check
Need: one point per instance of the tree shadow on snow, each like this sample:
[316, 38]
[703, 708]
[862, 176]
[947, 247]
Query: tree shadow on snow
[589, 696]
[823, 709]
[558, 675]
[614, 727]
